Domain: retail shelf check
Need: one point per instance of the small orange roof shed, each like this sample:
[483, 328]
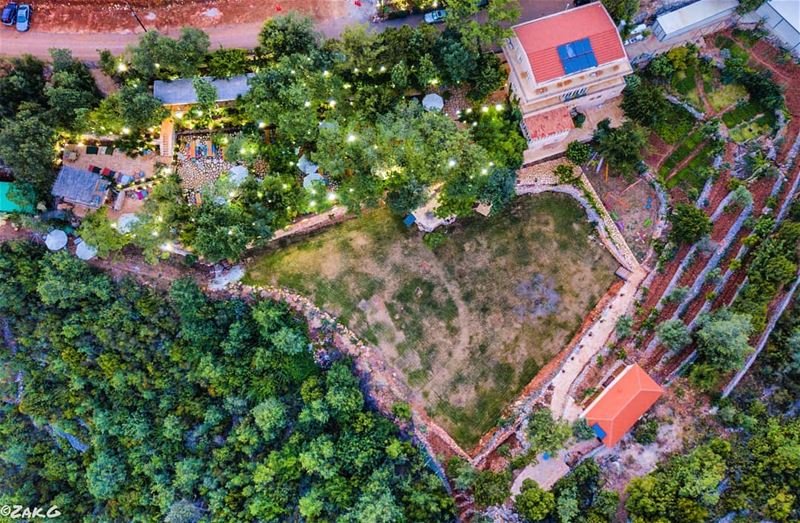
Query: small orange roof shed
[621, 404]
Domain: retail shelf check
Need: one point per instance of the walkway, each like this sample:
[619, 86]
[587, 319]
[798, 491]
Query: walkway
[561, 403]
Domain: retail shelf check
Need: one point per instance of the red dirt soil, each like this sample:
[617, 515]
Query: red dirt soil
[102, 16]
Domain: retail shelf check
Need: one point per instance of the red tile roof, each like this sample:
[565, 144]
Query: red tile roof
[621, 405]
[550, 122]
[540, 38]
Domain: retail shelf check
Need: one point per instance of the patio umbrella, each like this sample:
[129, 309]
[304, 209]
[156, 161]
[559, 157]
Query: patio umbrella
[433, 102]
[237, 174]
[84, 251]
[56, 240]
[126, 222]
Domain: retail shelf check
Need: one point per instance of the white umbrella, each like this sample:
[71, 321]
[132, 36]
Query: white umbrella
[306, 165]
[56, 239]
[433, 102]
[126, 222]
[237, 175]
[84, 251]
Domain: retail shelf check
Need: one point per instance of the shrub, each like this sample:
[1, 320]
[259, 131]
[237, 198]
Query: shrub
[491, 488]
[673, 334]
[689, 224]
[646, 431]
[433, 240]
[578, 153]
[402, 411]
[533, 503]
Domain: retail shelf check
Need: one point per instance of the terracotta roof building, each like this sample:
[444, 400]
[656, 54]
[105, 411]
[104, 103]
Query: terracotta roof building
[612, 414]
[570, 61]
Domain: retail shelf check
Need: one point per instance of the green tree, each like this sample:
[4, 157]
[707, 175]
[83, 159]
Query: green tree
[96, 230]
[533, 503]
[271, 417]
[500, 189]
[622, 9]
[24, 83]
[624, 327]
[578, 153]
[105, 476]
[723, 339]
[27, 146]
[643, 102]
[621, 146]
[689, 224]
[139, 109]
[226, 62]
[287, 35]
[546, 434]
[741, 197]
[491, 488]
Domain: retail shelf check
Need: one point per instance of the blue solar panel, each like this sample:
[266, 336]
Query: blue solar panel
[577, 56]
[598, 431]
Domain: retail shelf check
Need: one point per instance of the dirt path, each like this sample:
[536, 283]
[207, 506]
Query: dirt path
[561, 403]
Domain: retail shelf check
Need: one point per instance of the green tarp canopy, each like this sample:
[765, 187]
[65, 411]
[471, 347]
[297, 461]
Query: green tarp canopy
[6, 204]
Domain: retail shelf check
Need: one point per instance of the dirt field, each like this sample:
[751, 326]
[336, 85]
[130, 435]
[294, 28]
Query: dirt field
[468, 325]
[117, 15]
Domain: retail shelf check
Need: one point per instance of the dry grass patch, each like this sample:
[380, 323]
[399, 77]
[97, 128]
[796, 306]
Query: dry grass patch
[470, 324]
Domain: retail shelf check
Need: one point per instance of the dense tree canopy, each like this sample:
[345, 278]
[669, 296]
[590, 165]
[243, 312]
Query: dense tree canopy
[138, 406]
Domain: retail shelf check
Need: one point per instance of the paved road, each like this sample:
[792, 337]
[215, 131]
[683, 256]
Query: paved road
[85, 45]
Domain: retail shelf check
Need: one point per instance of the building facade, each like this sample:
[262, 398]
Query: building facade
[564, 63]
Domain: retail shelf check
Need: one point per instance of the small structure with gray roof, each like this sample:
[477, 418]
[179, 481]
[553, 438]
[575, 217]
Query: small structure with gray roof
[80, 187]
[782, 20]
[182, 92]
[694, 20]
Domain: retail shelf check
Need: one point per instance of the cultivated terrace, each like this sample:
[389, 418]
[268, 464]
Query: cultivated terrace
[433, 267]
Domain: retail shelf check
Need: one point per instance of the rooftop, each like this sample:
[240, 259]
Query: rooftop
[789, 10]
[694, 13]
[542, 38]
[181, 92]
[6, 203]
[622, 403]
[548, 123]
[80, 187]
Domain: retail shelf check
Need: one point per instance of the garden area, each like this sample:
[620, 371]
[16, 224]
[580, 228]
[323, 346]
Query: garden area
[469, 323]
[633, 207]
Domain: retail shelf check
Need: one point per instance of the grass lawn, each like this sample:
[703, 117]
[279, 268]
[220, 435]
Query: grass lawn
[753, 129]
[723, 42]
[676, 125]
[742, 113]
[470, 324]
[725, 96]
[688, 176]
[681, 153]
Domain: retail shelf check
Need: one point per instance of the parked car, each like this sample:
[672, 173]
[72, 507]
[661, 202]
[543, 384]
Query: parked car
[435, 17]
[23, 18]
[9, 15]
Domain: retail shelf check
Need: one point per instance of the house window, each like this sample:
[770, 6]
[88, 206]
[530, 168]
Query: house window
[577, 93]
